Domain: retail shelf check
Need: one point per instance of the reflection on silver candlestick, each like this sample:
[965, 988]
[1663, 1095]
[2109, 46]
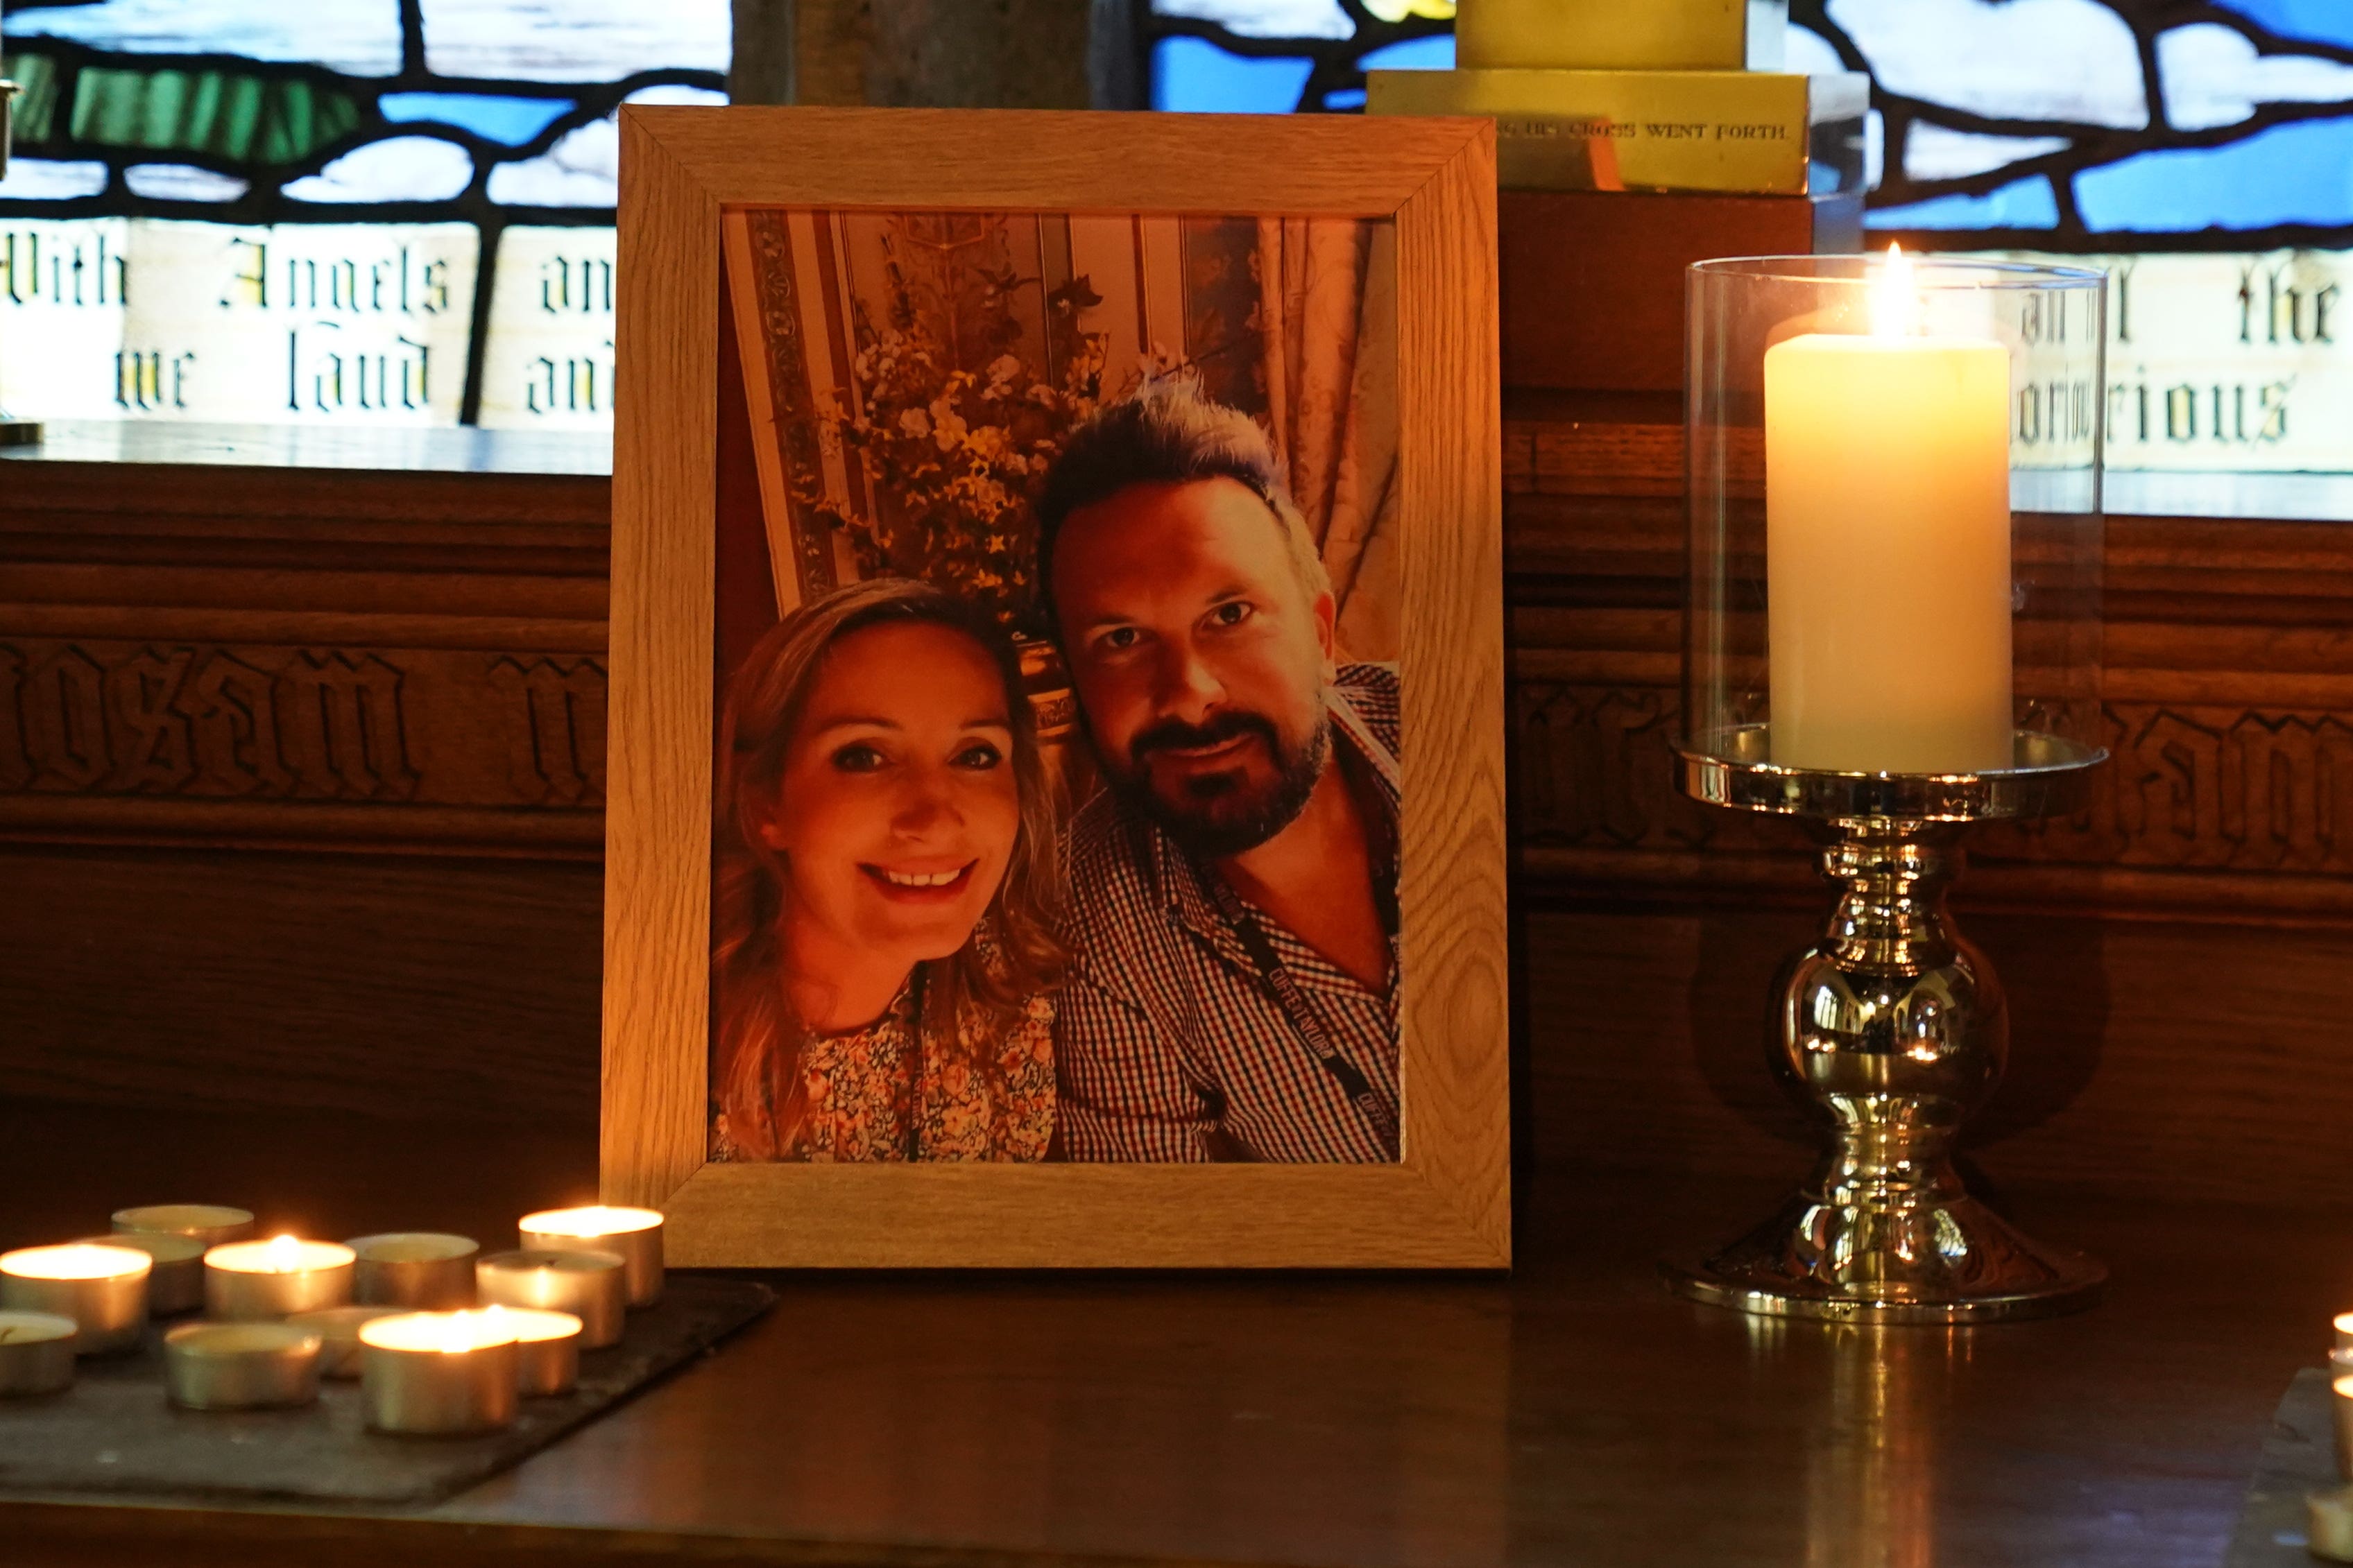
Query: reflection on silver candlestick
[1891, 1030]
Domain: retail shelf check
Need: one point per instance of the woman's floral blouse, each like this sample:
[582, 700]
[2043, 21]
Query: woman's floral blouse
[879, 1093]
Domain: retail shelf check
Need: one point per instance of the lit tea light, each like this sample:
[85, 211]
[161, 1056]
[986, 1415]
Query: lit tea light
[419, 1269]
[37, 1353]
[2345, 1330]
[439, 1373]
[633, 1235]
[547, 1348]
[211, 1223]
[591, 1286]
[241, 1366]
[339, 1329]
[176, 1283]
[250, 1281]
[102, 1288]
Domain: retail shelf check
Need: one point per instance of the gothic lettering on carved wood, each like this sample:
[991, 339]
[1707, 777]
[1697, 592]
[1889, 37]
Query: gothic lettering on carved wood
[265, 725]
[2188, 787]
[555, 753]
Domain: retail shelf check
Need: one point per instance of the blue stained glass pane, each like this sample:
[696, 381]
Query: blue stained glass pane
[511, 121]
[1196, 75]
[2021, 203]
[2322, 21]
[1434, 53]
[2300, 173]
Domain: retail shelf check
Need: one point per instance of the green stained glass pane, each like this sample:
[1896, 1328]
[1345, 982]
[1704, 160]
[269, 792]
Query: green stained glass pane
[252, 120]
[36, 108]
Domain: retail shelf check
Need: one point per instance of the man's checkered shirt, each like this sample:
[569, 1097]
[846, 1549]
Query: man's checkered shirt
[1169, 1044]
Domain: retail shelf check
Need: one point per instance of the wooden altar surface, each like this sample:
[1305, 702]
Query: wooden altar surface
[1574, 1414]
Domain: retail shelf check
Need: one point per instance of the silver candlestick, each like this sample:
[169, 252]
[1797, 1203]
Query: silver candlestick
[1890, 1031]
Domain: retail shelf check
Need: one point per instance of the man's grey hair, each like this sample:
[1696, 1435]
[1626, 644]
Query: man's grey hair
[1167, 433]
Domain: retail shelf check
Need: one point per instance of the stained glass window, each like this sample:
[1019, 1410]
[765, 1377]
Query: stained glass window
[379, 211]
[2200, 149]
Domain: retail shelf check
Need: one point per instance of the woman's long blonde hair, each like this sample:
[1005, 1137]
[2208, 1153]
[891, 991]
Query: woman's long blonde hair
[757, 1093]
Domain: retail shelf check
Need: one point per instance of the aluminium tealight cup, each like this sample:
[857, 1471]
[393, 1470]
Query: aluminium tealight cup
[339, 1328]
[547, 1348]
[416, 1386]
[260, 1281]
[176, 1282]
[37, 1353]
[211, 1223]
[632, 1235]
[241, 1366]
[591, 1286]
[2343, 1388]
[2328, 1533]
[422, 1270]
[103, 1289]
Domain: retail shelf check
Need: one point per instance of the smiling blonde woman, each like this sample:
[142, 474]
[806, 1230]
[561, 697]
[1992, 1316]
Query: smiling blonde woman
[884, 890]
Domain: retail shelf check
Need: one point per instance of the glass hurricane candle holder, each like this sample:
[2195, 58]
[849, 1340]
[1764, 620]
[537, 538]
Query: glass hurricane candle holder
[1893, 632]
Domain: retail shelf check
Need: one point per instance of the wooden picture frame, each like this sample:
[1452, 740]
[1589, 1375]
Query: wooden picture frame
[1446, 1202]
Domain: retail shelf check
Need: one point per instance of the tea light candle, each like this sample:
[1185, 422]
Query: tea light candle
[418, 1269]
[591, 1286]
[634, 1236]
[241, 1366]
[2344, 1388]
[439, 1373]
[176, 1282]
[339, 1328]
[211, 1223]
[2328, 1534]
[252, 1281]
[103, 1289]
[37, 1353]
[547, 1348]
[2345, 1330]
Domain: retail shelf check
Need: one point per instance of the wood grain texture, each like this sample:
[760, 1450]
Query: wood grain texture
[1448, 1204]
[658, 817]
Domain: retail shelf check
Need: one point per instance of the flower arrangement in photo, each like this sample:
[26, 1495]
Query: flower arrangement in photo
[953, 457]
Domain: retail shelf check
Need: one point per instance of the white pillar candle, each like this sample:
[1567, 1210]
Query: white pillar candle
[439, 1373]
[633, 1235]
[251, 1281]
[37, 1353]
[103, 1289]
[1887, 546]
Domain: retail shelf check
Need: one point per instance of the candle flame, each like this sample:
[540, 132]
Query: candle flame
[1894, 298]
[285, 1254]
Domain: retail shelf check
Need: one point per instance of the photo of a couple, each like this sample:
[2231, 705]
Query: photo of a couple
[1058, 798]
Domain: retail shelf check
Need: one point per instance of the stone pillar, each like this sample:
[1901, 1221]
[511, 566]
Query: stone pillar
[979, 54]
[965, 54]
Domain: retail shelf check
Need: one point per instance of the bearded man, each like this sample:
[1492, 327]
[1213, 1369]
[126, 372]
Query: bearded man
[1233, 929]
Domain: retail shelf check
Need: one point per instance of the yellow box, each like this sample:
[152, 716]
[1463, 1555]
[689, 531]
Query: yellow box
[1621, 35]
[1754, 132]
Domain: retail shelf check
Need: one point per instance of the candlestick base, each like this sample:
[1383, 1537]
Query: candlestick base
[1890, 1031]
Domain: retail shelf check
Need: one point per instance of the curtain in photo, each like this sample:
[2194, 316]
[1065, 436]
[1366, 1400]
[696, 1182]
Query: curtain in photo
[1327, 307]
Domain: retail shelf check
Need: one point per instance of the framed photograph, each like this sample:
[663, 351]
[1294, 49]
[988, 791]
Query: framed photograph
[1056, 811]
